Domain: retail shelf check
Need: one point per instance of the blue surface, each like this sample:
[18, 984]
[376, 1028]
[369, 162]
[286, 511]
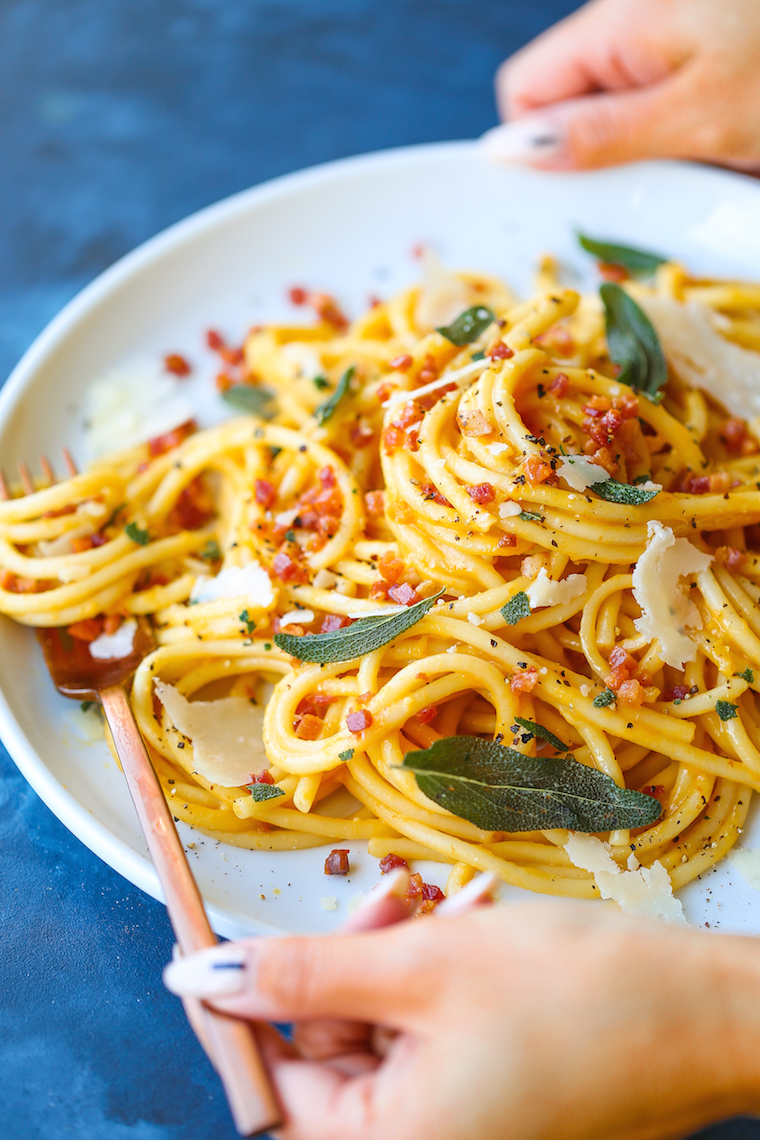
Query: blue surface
[117, 119]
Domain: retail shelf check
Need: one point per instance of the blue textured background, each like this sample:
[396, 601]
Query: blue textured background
[118, 117]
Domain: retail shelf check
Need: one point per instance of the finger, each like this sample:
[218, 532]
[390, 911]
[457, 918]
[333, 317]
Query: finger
[346, 1044]
[594, 49]
[319, 1101]
[478, 892]
[383, 906]
[370, 976]
[599, 130]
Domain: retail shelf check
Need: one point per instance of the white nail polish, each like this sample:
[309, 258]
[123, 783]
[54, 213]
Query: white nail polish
[210, 973]
[523, 140]
[478, 890]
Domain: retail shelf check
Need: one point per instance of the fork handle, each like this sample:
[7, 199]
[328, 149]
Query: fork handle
[234, 1052]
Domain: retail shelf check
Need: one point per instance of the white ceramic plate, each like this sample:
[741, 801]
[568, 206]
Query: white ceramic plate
[349, 228]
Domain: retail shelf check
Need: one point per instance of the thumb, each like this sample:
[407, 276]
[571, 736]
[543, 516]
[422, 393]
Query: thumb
[369, 976]
[597, 130]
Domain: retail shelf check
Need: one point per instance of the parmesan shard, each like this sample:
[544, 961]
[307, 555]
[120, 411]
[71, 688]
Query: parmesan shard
[509, 509]
[580, 472]
[702, 357]
[660, 588]
[111, 646]
[132, 404]
[645, 891]
[747, 863]
[443, 295]
[544, 591]
[226, 735]
[296, 617]
[250, 583]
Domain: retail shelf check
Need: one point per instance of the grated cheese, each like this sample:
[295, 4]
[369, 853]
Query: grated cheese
[659, 587]
[497, 447]
[110, 646]
[580, 472]
[296, 617]
[328, 902]
[702, 357]
[226, 735]
[645, 891]
[544, 591]
[509, 509]
[443, 295]
[132, 404]
[251, 583]
[474, 619]
[747, 863]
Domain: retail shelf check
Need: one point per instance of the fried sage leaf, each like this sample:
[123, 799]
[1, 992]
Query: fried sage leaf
[468, 326]
[253, 400]
[327, 408]
[261, 792]
[538, 730]
[639, 262]
[632, 341]
[517, 608]
[355, 640]
[499, 789]
[615, 492]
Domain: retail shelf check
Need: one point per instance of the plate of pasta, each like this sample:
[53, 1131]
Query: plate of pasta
[439, 486]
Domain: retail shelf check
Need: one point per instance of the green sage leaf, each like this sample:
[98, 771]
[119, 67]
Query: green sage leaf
[543, 733]
[137, 534]
[517, 608]
[625, 493]
[639, 262]
[253, 400]
[726, 710]
[327, 408]
[498, 789]
[355, 640]
[261, 792]
[468, 326]
[211, 551]
[245, 617]
[321, 382]
[633, 342]
[606, 697]
[530, 516]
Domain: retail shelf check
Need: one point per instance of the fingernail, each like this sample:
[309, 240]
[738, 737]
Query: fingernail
[528, 140]
[222, 969]
[392, 884]
[478, 890]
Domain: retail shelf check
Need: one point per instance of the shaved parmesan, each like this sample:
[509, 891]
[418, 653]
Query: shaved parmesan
[226, 735]
[132, 404]
[747, 864]
[250, 583]
[296, 617]
[110, 646]
[544, 591]
[659, 587]
[509, 509]
[645, 891]
[443, 295]
[328, 902]
[303, 359]
[702, 357]
[474, 368]
[497, 448]
[580, 472]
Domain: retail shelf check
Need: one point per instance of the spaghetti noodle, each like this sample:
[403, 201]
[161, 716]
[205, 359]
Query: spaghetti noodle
[400, 465]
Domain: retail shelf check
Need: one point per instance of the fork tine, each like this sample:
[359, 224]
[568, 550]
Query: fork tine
[47, 469]
[71, 466]
[4, 492]
[26, 479]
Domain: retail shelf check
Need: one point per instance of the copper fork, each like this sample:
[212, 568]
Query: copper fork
[229, 1042]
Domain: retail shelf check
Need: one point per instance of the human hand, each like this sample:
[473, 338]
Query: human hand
[622, 80]
[527, 1021]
